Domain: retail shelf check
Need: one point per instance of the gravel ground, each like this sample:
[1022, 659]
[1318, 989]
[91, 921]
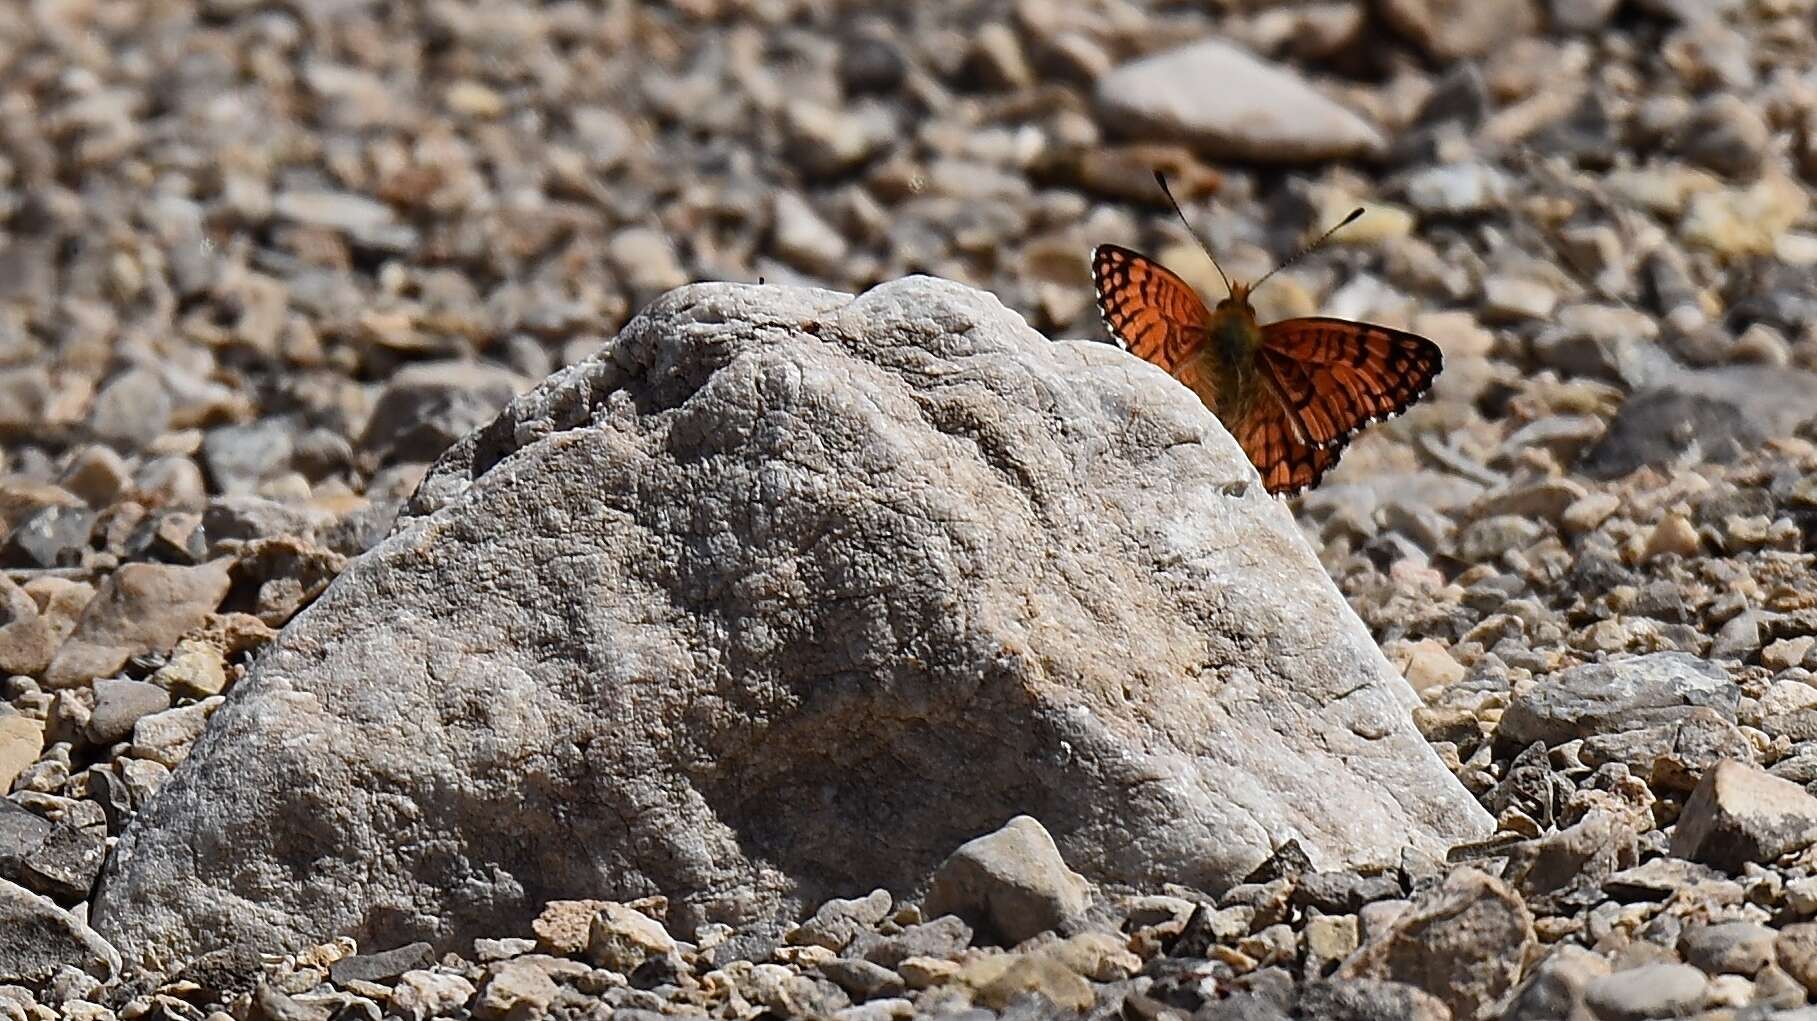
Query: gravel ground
[261, 262]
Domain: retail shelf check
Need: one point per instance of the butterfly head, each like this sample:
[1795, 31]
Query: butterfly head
[1239, 299]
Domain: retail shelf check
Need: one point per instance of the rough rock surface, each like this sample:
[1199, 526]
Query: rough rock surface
[36, 938]
[775, 572]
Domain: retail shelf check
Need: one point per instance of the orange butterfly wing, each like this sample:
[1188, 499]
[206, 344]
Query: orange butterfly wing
[1153, 313]
[1336, 376]
[1327, 378]
[1285, 464]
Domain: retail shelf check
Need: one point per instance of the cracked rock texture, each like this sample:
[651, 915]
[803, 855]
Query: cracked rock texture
[781, 596]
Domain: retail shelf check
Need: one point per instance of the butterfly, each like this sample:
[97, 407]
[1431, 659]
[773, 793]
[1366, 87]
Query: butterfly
[1292, 392]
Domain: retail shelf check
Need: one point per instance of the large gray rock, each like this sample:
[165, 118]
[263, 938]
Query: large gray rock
[780, 596]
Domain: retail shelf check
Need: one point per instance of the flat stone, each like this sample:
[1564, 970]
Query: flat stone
[944, 937]
[1720, 413]
[802, 238]
[1343, 893]
[1229, 104]
[1727, 134]
[119, 705]
[1582, 15]
[839, 921]
[1674, 756]
[426, 406]
[564, 926]
[1728, 948]
[21, 743]
[52, 537]
[359, 217]
[1511, 299]
[1448, 29]
[423, 994]
[1646, 993]
[240, 457]
[59, 861]
[1616, 696]
[22, 833]
[1555, 988]
[37, 938]
[131, 409]
[1368, 1000]
[1739, 222]
[1000, 979]
[27, 639]
[139, 608]
[269, 1003]
[1101, 956]
[1457, 189]
[383, 965]
[517, 989]
[862, 979]
[1569, 866]
[1795, 951]
[25, 396]
[166, 737]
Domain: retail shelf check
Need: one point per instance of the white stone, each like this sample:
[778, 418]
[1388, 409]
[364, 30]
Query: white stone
[1230, 104]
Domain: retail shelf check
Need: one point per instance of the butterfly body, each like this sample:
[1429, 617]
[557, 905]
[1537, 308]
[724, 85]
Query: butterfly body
[1233, 342]
[1292, 393]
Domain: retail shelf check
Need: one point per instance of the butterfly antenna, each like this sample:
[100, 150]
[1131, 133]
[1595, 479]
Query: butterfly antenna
[1355, 214]
[1161, 179]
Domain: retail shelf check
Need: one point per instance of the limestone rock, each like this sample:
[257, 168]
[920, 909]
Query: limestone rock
[1740, 814]
[1230, 104]
[1448, 29]
[776, 571]
[139, 608]
[1621, 695]
[1012, 881]
[37, 937]
[428, 405]
[621, 938]
[1647, 992]
[21, 742]
[1464, 942]
[1719, 414]
[1557, 986]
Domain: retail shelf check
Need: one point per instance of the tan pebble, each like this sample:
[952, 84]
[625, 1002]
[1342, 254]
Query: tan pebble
[1101, 956]
[1237, 959]
[563, 926]
[1428, 664]
[1330, 937]
[806, 955]
[927, 972]
[473, 99]
[21, 742]
[1787, 652]
[1589, 511]
[1673, 534]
